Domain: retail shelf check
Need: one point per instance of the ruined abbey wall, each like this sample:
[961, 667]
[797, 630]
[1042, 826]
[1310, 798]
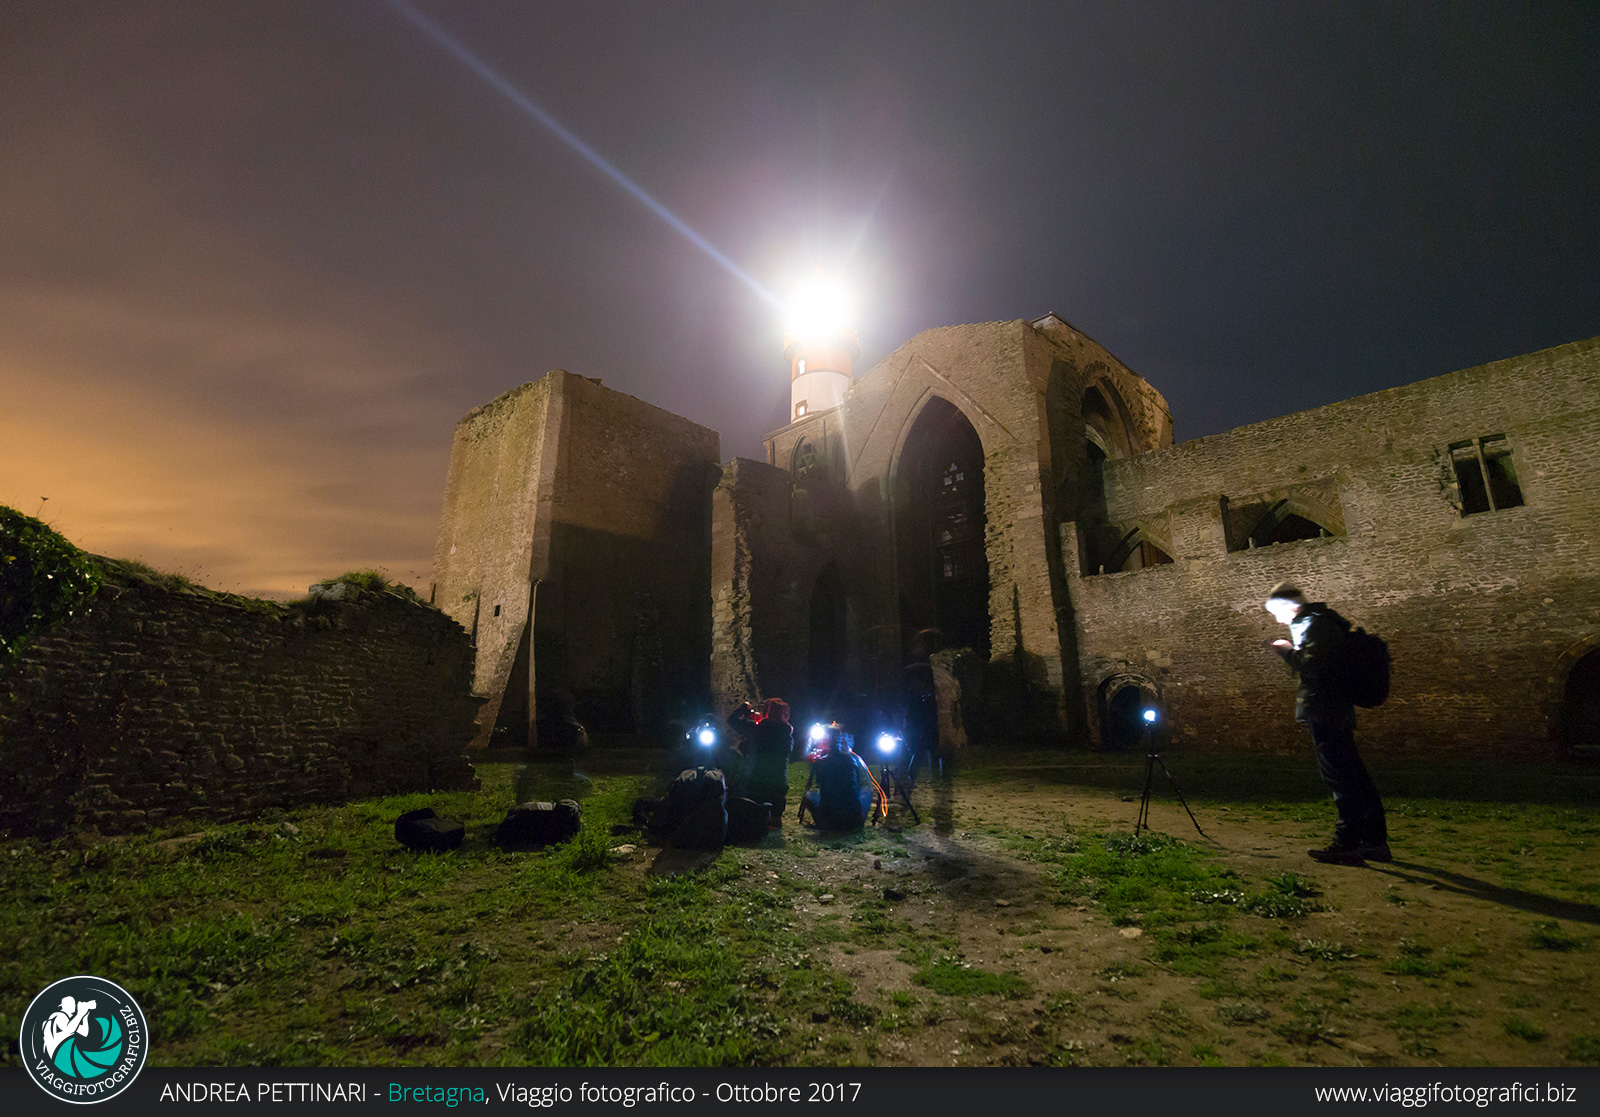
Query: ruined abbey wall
[151, 703]
[1020, 385]
[1481, 611]
[587, 512]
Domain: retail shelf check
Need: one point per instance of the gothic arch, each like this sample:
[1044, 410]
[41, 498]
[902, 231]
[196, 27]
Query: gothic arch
[940, 517]
[929, 398]
[1107, 425]
[1292, 519]
[1140, 544]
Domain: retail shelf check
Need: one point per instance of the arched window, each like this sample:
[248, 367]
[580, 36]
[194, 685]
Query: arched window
[1282, 524]
[939, 522]
[1104, 424]
[808, 460]
[1135, 551]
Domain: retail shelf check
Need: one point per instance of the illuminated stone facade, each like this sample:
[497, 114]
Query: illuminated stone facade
[1015, 485]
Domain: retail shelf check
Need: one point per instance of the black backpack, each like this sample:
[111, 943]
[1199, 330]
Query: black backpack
[1366, 668]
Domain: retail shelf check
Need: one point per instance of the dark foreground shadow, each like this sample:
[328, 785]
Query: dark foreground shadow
[1414, 873]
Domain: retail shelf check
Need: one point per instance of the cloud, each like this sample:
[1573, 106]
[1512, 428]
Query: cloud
[253, 452]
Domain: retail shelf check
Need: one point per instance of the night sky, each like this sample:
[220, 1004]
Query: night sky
[256, 259]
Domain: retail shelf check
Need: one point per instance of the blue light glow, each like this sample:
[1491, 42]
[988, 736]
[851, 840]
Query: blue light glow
[1149, 715]
[708, 736]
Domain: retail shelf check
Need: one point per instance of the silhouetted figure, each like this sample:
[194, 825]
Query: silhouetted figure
[771, 749]
[1313, 651]
[843, 787]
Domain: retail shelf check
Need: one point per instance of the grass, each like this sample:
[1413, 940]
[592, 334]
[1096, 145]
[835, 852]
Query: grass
[310, 937]
[952, 978]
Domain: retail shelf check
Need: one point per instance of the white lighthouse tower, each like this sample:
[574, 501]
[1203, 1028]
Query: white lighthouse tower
[820, 346]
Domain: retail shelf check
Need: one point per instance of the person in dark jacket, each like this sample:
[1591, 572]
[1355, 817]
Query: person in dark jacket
[840, 801]
[771, 747]
[1322, 702]
[917, 698]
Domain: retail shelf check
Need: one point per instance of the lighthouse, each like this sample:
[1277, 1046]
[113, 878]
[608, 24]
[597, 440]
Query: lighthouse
[820, 346]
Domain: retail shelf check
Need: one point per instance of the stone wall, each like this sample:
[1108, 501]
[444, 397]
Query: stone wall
[153, 702]
[1021, 387]
[1481, 611]
[771, 539]
[586, 512]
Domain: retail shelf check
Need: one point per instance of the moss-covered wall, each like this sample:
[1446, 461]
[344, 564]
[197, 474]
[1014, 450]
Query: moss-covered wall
[156, 699]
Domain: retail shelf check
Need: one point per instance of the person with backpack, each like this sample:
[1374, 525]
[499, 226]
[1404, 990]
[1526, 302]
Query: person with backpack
[1318, 651]
[917, 698]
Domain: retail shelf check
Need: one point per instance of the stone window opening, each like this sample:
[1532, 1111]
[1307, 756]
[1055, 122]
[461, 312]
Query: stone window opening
[800, 409]
[497, 610]
[1485, 475]
[808, 461]
[1135, 551]
[1281, 524]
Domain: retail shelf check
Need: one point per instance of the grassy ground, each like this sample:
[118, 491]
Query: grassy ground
[1019, 923]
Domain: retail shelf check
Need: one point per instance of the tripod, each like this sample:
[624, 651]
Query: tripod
[1151, 759]
[893, 784]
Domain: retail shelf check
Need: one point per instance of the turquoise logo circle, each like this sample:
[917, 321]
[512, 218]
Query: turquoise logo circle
[84, 1039]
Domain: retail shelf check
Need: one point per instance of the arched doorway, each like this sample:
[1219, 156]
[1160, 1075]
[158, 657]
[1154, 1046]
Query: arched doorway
[939, 528]
[826, 650]
[1580, 709]
[1122, 705]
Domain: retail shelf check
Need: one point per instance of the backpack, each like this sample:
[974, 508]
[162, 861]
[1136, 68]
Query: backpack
[1366, 668]
[424, 830]
[694, 814]
[532, 825]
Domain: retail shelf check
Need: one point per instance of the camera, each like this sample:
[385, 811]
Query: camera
[823, 739]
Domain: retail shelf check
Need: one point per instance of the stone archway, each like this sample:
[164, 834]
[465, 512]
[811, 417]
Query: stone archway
[1580, 708]
[1122, 700]
[939, 529]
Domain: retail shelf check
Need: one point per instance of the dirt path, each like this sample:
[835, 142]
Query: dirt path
[1427, 960]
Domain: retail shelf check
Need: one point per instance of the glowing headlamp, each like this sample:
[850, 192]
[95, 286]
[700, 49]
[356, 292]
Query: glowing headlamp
[818, 731]
[887, 743]
[1149, 716]
[706, 735]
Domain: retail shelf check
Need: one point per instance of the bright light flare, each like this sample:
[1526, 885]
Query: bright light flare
[708, 736]
[818, 731]
[819, 309]
[887, 742]
[1150, 715]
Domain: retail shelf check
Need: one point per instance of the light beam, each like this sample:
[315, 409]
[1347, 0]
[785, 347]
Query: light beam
[496, 81]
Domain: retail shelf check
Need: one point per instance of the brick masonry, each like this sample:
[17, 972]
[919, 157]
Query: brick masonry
[150, 703]
[1020, 385]
[1483, 613]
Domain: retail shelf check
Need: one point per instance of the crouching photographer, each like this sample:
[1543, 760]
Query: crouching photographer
[844, 792]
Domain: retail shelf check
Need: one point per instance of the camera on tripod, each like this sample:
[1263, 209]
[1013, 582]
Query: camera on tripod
[1151, 759]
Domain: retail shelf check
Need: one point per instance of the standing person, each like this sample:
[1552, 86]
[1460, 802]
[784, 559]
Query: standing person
[771, 747]
[918, 698]
[1316, 639]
